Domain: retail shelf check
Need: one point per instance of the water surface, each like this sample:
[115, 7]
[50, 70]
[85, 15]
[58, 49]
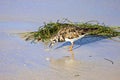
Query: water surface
[90, 60]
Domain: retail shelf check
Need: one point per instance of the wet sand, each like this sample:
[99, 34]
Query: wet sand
[91, 59]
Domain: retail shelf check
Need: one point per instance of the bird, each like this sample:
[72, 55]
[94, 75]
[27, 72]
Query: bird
[70, 34]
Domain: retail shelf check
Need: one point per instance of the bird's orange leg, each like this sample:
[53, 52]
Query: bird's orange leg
[71, 47]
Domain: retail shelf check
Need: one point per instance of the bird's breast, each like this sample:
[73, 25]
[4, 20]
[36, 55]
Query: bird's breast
[74, 39]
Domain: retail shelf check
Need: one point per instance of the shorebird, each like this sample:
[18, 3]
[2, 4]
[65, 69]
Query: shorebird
[71, 34]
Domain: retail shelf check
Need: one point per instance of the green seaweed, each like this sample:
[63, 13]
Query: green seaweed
[45, 32]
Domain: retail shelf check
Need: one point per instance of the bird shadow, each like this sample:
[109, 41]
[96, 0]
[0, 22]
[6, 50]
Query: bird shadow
[83, 41]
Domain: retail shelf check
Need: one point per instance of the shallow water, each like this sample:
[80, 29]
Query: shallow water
[91, 59]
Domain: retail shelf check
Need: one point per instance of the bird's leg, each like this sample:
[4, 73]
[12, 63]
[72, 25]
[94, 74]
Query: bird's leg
[71, 46]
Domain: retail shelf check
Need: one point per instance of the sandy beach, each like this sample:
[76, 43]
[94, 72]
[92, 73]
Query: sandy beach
[92, 58]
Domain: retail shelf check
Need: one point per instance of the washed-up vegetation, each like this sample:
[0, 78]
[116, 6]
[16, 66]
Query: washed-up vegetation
[48, 30]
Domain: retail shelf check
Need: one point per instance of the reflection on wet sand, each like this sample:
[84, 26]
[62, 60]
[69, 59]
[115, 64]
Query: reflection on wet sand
[67, 63]
[72, 55]
[64, 61]
[66, 66]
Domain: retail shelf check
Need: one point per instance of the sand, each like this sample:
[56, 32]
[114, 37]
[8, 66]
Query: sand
[91, 59]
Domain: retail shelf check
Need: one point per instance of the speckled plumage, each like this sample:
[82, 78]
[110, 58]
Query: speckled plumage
[70, 33]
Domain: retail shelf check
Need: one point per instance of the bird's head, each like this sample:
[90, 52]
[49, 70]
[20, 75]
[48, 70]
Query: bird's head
[53, 41]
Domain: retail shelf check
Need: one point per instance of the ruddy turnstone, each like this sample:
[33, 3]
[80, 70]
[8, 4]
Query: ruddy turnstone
[71, 34]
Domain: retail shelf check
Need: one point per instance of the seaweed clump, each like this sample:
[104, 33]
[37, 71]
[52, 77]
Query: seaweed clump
[48, 30]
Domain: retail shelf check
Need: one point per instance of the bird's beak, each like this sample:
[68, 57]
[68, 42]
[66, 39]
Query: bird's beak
[51, 45]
